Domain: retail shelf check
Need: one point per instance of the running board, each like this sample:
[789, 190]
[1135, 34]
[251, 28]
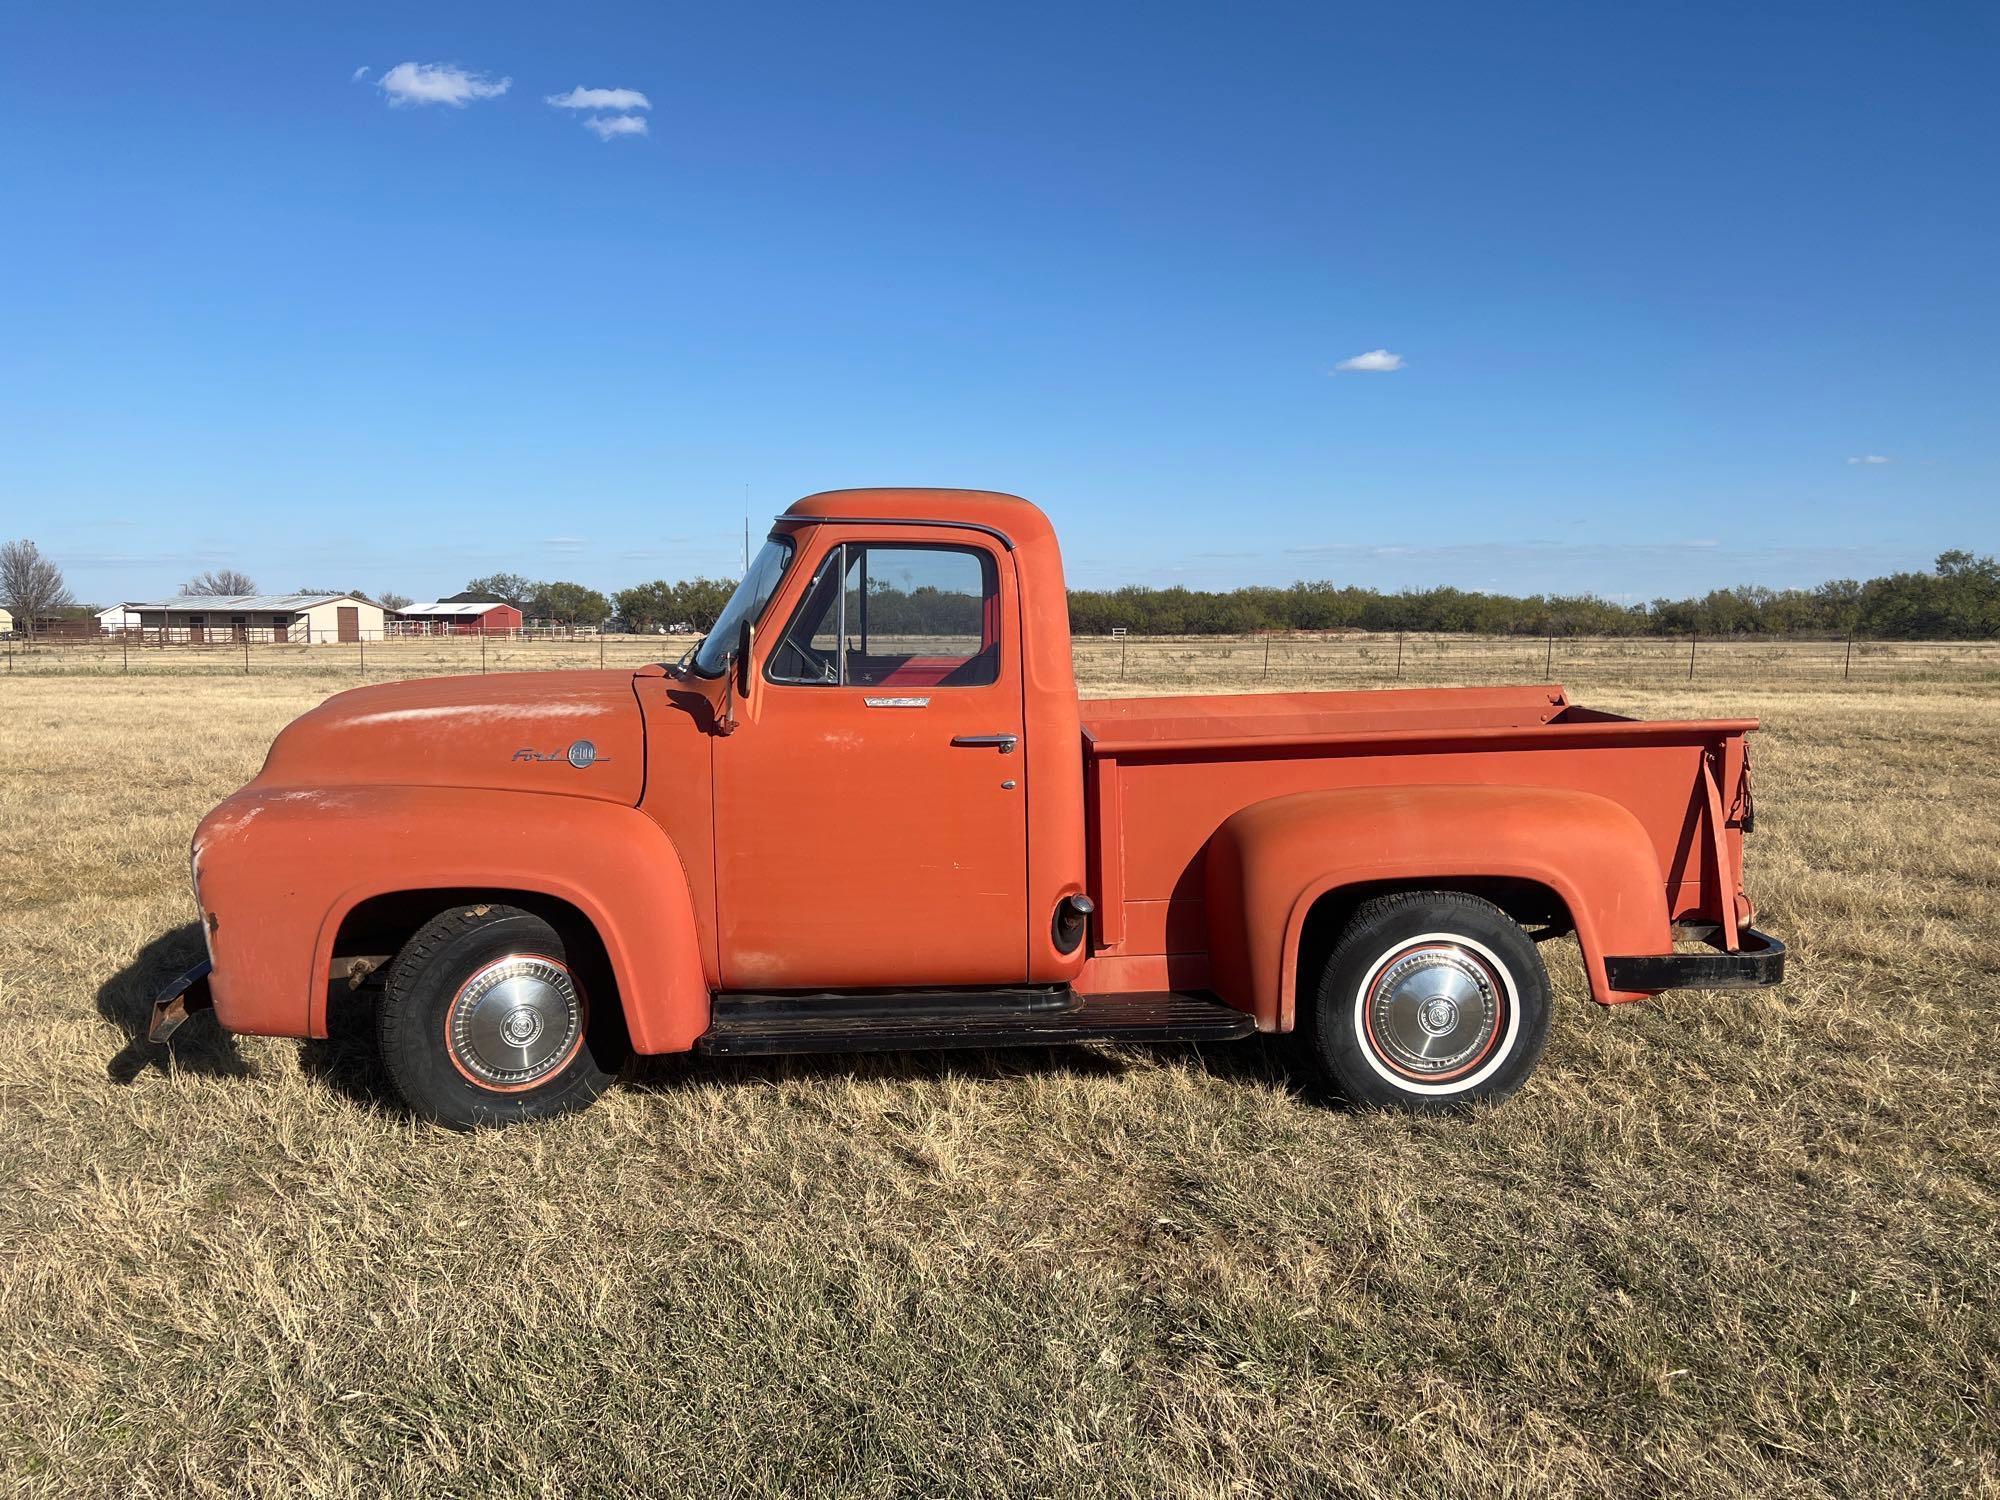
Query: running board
[744, 1025]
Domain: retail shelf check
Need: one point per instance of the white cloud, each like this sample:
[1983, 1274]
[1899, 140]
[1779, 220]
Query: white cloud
[609, 127]
[439, 83]
[583, 98]
[1374, 359]
[358, 74]
[1871, 458]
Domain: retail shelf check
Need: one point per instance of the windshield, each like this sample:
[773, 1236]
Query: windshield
[711, 657]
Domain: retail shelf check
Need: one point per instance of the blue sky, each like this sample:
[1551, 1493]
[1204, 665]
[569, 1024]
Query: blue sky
[1656, 277]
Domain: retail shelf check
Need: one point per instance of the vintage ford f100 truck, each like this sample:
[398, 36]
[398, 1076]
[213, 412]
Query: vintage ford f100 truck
[869, 811]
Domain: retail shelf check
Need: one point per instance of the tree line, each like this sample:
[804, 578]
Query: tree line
[644, 607]
[1959, 599]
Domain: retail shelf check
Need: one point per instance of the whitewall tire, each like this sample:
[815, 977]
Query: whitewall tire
[1430, 1000]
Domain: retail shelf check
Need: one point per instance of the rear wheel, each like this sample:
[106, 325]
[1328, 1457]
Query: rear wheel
[485, 1021]
[1431, 1000]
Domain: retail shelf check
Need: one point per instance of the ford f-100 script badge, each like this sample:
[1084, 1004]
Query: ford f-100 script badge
[581, 754]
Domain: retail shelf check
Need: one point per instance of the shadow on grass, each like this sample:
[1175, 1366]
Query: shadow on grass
[1254, 1060]
[347, 1059]
[126, 1001]
[348, 1062]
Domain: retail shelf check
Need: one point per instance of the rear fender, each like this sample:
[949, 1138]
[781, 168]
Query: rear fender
[1271, 861]
[278, 871]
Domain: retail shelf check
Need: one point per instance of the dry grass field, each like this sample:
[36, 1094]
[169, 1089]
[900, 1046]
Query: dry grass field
[1721, 1244]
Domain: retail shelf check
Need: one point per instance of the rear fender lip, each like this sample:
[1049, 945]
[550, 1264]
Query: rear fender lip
[187, 994]
[1757, 964]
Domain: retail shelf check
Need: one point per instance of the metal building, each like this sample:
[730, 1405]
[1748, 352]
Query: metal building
[456, 617]
[212, 619]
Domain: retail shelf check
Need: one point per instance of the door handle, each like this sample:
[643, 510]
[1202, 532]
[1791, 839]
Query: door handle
[1004, 743]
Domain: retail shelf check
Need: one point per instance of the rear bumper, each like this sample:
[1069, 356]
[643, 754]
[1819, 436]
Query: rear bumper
[1759, 961]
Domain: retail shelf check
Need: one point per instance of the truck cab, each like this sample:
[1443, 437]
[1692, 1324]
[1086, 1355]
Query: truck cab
[900, 704]
[868, 810]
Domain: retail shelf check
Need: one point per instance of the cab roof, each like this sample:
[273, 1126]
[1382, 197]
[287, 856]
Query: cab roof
[1016, 520]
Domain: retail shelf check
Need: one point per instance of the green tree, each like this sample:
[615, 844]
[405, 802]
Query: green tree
[515, 588]
[700, 600]
[570, 603]
[647, 606]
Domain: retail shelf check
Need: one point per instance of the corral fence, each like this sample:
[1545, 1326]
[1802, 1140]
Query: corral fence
[142, 637]
[241, 651]
[1221, 663]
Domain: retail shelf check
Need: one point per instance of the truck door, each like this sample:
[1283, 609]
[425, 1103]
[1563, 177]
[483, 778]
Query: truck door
[871, 825]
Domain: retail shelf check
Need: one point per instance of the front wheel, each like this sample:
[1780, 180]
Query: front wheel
[484, 1021]
[1431, 1000]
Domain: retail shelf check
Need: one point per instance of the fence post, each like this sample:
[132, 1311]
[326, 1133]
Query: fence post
[1847, 667]
[361, 644]
[482, 648]
[1549, 664]
[246, 653]
[1399, 656]
[1121, 655]
[125, 649]
[600, 645]
[1267, 656]
[1692, 635]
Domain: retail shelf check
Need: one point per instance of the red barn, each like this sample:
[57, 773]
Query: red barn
[458, 617]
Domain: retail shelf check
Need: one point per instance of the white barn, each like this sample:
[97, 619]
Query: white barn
[311, 618]
[118, 617]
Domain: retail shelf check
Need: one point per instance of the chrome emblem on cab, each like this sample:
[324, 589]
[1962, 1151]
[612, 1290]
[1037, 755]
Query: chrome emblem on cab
[581, 754]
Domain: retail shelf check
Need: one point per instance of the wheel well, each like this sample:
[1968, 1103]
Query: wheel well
[1535, 906]
[375, 930]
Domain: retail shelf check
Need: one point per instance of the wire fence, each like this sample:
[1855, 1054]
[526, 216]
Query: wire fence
[1358, 659]
[1221, 663]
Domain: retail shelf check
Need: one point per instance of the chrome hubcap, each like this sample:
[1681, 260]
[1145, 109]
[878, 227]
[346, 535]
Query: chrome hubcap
[515, 1021]
[1433, 1010]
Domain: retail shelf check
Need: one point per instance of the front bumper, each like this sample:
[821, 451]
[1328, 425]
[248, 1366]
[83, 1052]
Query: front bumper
[1759, 961]
[179, 1000]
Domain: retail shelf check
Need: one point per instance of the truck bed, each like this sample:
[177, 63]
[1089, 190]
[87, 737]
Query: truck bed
[1162, 774]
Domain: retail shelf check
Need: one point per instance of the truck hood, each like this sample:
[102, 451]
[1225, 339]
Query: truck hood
[577, 734]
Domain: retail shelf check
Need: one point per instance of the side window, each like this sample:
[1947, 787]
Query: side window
[895, 616]
[809, 650]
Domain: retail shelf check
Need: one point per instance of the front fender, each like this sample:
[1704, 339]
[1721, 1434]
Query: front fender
[1272, 860]
[278, 870]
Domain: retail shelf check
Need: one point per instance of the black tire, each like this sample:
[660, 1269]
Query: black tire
[1463, 1022]
[448, 1028]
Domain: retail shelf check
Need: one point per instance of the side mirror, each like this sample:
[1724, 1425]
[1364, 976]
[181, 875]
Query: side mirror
[736, 684]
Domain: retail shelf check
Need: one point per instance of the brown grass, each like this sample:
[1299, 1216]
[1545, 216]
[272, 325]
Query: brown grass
[1720, 1243]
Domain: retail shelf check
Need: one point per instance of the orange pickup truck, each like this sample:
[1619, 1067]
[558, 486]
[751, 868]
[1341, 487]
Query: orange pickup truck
[868, 811]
